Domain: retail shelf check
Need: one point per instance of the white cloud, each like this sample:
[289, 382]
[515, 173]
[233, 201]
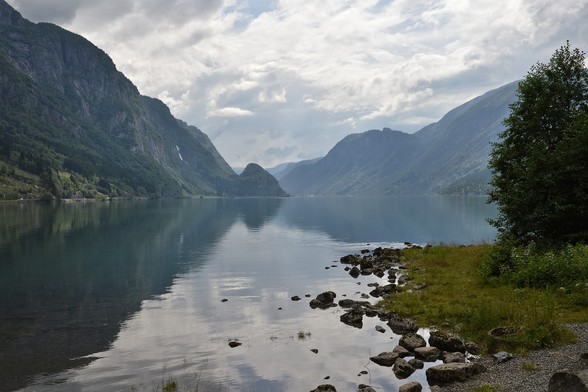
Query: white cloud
[305, 74]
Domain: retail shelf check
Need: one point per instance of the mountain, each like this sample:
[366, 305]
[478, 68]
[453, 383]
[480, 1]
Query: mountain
[255, 181]
[72, 125]
[449, 156]
[282, 169]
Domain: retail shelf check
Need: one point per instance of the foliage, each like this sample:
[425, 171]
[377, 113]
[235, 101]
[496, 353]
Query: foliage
[540, 165]
[462, 300]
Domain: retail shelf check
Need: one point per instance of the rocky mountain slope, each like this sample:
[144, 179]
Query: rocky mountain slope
[71, 125]
[449, 156]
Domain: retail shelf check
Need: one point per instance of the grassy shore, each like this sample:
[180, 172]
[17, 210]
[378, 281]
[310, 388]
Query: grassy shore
[459, 298]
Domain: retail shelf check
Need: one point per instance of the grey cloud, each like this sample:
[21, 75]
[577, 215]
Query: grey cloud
[56, 11]
[179, 11]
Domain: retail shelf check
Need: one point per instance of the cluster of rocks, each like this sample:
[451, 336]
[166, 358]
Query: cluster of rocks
[380, 262]
[450, 349]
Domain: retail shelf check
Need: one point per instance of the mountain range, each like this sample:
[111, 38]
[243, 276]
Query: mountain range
[72, 125]
[449, 156]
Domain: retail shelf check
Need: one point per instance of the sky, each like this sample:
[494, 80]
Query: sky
[273, 81]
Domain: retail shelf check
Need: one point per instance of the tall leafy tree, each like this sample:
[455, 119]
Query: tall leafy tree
[540, 164]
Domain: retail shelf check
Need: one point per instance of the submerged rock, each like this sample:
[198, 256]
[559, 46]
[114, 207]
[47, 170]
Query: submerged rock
[402, 369]
[324, 300]
[325, 388]
[385, 359]
[353, 317]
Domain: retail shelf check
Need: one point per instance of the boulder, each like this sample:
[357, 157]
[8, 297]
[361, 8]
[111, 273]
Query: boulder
[353, 317]
[502, 356]
[402, 369]
[295, 298]
[472, 348]
[385, 359]
[566, 381]
[401, 325]
[450, 372]
[350, 259]
[411, 387]
[411, 341]
[365, 388]
[401, 351]
[325, 388]
[383, 290]
[427, 354]
[234, 343]
[380, 329]
[349, 303]
[446, 342]
[416, 363]
[354, 272]
[324, 300]
[455, 357]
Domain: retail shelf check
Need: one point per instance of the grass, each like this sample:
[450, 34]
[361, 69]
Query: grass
[459, 299]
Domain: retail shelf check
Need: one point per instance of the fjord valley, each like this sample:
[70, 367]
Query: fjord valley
[187, 276]
[72, 126]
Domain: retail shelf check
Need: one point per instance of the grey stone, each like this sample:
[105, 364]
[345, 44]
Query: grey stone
[385, 359]
[412, 340]
[450, 372]
[401, 325]
[401, 351]
[446, 342]
[427, 354]
[365, 388]
[502, 356]
[455, 357]
[402, 369]
[566, 381]
[416, 363]
[411, 387]
[325, 388]
[380, 329]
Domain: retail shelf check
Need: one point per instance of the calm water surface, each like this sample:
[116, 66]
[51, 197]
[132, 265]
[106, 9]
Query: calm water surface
[122, 296]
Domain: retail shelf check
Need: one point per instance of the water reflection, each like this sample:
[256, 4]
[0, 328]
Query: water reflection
[71, 274]
[418, 219]
[135, 290]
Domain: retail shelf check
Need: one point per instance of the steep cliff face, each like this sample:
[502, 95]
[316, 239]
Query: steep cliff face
[70, 117]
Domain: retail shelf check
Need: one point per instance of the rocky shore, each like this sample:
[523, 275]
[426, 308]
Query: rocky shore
[456, 364]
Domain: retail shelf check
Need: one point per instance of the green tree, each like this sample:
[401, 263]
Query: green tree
[540, 164]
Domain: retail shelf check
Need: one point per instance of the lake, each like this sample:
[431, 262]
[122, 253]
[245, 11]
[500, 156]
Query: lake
[125, 295]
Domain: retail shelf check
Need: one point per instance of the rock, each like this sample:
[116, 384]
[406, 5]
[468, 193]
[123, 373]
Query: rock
[412, 340]
[349, 303]
[325, 388]
[446, 342]
[224, 300]
[295, 298]
[401, 351]
[234, 343]
[314, 350]
[383, 290]
[327, 297]
[455, 357]
[584, 356]
[365, 388]
[353, 317]
[380, 329]
[385, 359]
[401, 325]
[427, 354]
[450, 372]
[416, 363]
[411, 387]
[566, 381]
[402, 280]
[364, 251]
[402, 369]
[419, 286]
[350, 259]
[502, 356]
[354, 272]
[324, 300]
[472, 348]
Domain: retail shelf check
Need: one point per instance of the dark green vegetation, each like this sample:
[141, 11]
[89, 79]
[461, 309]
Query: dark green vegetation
[540, 176]
[536, 275]
[449, 156]
[72, 126]
[462, 299]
